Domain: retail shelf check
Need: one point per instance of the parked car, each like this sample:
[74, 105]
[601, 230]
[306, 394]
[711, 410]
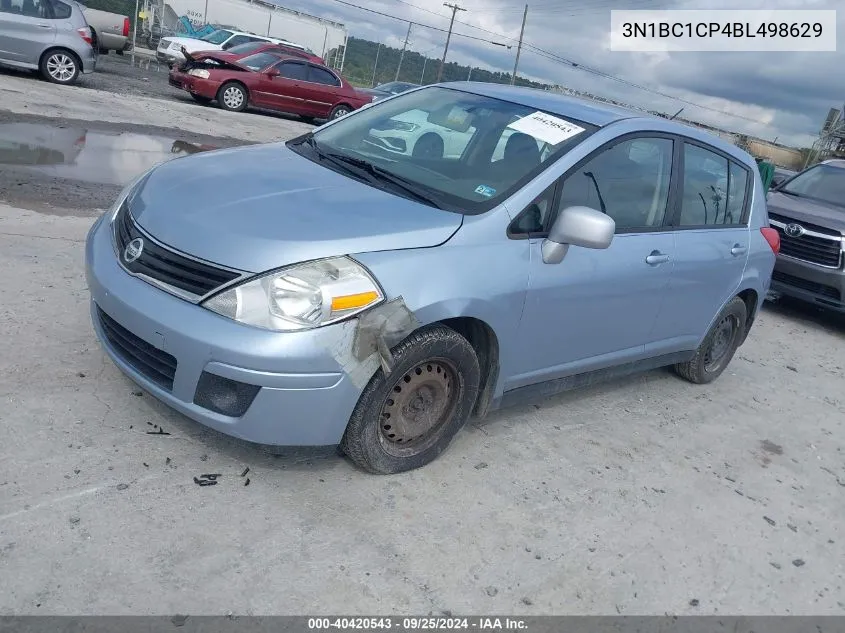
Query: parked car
[172, 49]
[782, 175]
[322, 291]
[268, 80]
[809, 213]
[389, 89]
[252, 48]
[110, 30]
[51, 36]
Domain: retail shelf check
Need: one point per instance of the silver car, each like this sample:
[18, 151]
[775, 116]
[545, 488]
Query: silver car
[51, 36]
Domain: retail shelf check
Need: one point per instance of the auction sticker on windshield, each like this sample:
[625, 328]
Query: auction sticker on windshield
[547, 128]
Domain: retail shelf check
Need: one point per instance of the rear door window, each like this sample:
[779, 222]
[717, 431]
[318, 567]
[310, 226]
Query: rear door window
[319, 75]
[714, 189]
[293, 70]
[55, 9]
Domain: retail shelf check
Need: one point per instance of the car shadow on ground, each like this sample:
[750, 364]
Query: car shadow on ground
[830, 321]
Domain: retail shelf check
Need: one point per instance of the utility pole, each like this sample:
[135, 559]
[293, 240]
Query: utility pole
[402, 54]
[373, 82]
[519, 48]
[469, 74]
[455, 8]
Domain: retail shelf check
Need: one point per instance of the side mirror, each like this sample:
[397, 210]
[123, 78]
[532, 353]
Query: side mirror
[577, 226]
[273, 72]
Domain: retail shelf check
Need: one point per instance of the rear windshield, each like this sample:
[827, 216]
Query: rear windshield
[822, 182]
[249, 47]
[468, 151]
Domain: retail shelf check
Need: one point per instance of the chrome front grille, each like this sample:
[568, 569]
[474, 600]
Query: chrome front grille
[810, 243]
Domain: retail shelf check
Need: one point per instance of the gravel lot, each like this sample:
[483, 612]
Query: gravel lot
[642, 496]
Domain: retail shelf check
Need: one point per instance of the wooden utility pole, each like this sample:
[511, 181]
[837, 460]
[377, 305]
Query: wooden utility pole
[519, 48]
[402, 54]
[455, 8]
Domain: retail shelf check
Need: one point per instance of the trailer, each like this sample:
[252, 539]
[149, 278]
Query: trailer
[325, 38]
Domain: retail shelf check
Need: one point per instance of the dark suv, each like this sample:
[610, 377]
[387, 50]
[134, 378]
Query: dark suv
[808, 211]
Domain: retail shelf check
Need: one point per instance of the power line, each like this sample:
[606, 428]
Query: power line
[542, 53]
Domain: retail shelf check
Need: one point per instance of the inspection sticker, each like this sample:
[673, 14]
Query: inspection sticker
[547, 128]
[485, 191]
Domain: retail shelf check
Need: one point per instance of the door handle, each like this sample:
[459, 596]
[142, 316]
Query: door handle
[656, 258]
[738, 249]
[44, 26]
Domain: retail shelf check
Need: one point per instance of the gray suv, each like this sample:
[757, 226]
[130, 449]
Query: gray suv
[808, 211]
[51, 36]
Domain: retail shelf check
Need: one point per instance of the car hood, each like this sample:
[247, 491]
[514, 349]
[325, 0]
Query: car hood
[807, 210]
[262, 207]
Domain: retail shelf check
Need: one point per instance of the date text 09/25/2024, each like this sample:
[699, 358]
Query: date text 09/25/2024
[417, 624]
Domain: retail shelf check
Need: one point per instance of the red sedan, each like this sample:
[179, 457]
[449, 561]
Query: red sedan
[251, 48]
[271, 81]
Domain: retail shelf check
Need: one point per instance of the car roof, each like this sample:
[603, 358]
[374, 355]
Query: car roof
[592, 112]
[835, 162]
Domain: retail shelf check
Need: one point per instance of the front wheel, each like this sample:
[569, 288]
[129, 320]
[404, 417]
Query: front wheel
[59, 67]
[719, 345]
[339, 111]
[406, 419]
[232, 96]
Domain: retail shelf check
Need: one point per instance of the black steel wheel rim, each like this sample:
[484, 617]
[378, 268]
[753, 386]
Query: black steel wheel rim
[421, 402]
[721, 343]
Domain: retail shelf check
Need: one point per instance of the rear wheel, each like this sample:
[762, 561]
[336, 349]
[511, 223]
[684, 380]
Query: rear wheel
[232, 96]
[200, 99]
[406, 419]
[718, 348]
[339, 111]
[59, 66]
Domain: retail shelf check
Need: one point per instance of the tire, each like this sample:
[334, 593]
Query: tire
[227, 97]
[724, 338]
[59, 66]
[339, 111]
[201, 100]
[435, 375]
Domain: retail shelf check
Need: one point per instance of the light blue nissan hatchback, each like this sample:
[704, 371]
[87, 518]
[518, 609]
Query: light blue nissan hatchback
[434, 256]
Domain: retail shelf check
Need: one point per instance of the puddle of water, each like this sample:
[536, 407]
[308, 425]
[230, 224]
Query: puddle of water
[80, 154]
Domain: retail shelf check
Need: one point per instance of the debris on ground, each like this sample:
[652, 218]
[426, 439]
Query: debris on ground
[246, 470]
[527, 601]
[74, 520]
[774, 564]
[203, 458]
[481, 465]
[122, 486]
[794, 528]
[138, 393]
[798, 562]
[694, 602]
[492, 591]
[159, 432]
[246, 483]
[146, 465]
[206, 480]
[81, 374]
[791, 368]
[769, 521]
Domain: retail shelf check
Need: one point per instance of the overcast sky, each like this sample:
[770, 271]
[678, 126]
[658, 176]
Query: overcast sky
[787, 95]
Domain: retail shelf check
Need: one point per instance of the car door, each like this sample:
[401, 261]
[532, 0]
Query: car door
[26, 30]
[283, 91]
[712, 239]
[598, 308]
[320, 91]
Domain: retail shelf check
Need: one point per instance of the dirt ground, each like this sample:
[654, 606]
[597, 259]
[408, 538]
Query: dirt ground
[642, 496]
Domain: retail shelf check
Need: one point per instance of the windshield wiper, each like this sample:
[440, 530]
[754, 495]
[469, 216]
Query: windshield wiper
[374, 171]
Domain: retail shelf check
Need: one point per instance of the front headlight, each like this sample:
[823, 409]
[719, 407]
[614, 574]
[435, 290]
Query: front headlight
[300, 297]
[199, 72]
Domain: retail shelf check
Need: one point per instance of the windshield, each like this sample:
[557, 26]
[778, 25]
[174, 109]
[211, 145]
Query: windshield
[217, 37]
[249, 47]
[467, 151]
[259, 61]
[822, 182]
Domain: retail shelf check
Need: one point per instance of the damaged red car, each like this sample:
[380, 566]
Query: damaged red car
[268, 80]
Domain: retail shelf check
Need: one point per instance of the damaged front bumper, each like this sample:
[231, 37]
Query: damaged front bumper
[288, 389]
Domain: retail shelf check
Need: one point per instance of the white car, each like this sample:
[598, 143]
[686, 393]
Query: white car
[170, 48]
